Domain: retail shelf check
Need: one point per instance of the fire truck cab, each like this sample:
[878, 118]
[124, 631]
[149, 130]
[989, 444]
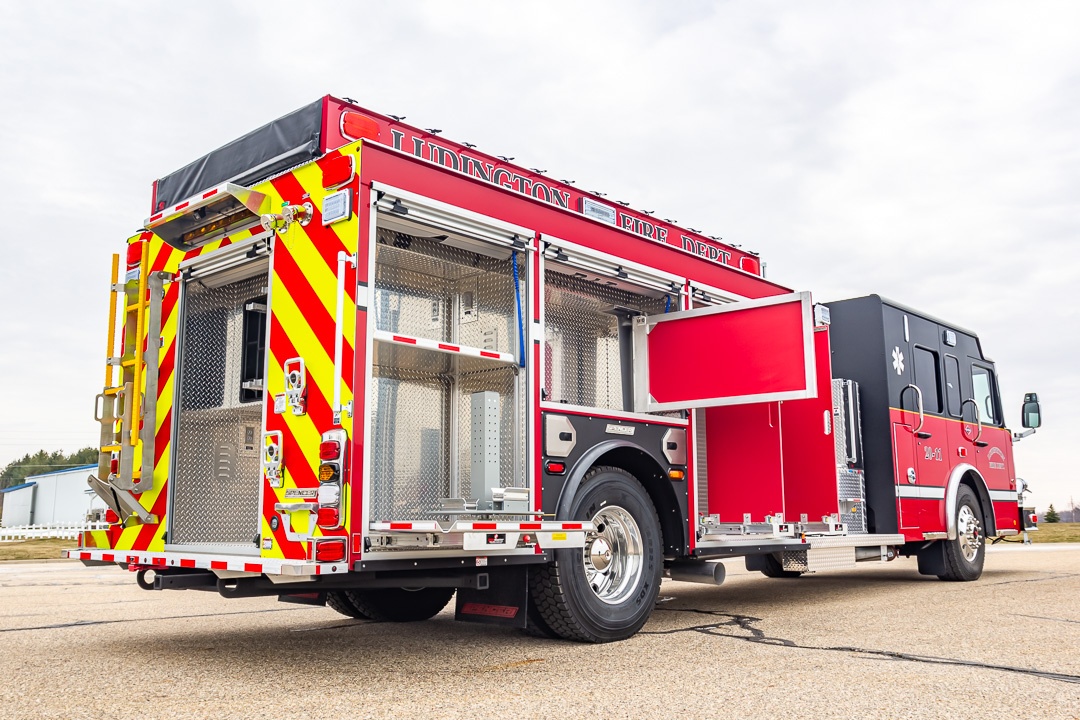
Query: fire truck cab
[362, 366]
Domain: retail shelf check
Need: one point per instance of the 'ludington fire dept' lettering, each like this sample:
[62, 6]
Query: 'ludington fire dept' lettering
[534, 188]
[482, 170]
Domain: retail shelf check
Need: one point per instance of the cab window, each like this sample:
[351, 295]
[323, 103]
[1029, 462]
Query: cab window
[952, 385]
[982, 384]
[927, 378]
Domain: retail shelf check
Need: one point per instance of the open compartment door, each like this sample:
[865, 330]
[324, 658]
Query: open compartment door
[750, 351]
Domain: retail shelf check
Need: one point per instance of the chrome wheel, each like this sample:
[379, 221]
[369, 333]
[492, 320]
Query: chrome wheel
[613, 555]
[969, 533]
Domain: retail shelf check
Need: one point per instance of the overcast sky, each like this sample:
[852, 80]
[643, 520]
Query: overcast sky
[925, 151]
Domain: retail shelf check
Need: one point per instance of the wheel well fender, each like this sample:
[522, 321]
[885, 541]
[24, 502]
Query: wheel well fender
[649, 472]
[966, 474]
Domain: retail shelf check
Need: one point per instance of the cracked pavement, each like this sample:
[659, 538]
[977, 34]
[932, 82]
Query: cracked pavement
[879, 641]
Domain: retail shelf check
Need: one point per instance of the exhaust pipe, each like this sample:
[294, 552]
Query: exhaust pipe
[707, 573]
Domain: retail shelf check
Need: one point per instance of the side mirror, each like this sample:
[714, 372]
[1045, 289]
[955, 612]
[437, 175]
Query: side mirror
[1031, 414]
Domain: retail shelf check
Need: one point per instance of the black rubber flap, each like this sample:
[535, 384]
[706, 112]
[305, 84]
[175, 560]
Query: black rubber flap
[276, 146]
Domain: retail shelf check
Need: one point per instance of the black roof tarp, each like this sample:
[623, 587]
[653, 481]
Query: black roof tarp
[276, 146]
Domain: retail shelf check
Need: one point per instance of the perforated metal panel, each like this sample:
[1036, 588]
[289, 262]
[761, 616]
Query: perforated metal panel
[215, 483]
[702, 455]
[581, 332]
[511, 429]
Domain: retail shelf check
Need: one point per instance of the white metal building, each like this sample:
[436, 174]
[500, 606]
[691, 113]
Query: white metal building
[60, 497]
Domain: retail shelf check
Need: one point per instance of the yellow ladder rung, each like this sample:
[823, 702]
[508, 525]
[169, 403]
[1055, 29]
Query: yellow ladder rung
[111, 448]
[135, 306]
[129, 363]
[113, 391]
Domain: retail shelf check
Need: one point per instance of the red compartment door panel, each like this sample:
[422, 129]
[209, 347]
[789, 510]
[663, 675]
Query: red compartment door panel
[745, 352]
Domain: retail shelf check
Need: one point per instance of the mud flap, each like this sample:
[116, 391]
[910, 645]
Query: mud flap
[503, 602]
[932, 559]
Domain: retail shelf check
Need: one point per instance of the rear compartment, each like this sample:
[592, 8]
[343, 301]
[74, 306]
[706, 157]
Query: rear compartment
[216, 477]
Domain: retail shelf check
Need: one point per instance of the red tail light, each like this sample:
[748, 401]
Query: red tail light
[134, 254]
[332, 551]
[111, 517]
[556, 468]
[337, 171]
[329, 517]
[329, 450]
[356, 126]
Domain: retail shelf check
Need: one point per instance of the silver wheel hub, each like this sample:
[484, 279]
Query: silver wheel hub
[969, 533]
[613, 555]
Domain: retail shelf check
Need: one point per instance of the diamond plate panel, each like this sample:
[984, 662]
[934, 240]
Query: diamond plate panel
[410, 443]
[829, 558]
[850, 484]
[217, 473]
[581, 332]
[426, 289]
[839, 423]
[795, 560]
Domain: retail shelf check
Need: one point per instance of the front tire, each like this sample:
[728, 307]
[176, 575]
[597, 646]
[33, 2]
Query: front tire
[605, 591]
[400, 604]
[964, 556]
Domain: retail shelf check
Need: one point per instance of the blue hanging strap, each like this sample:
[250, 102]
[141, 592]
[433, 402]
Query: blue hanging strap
[521, 321]
[667, 303]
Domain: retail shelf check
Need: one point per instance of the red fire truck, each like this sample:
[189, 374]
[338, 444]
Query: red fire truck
[353, 363]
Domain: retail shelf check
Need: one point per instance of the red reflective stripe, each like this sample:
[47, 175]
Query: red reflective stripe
[531, 526]
[253, 567]
[187, 563]
[108, 557]
[158, 561]
[156, 217]
[208, 194]
[182, 205]
[401, 526]
[219, 565]
[444, 346]
[411, 341]
[85, 556]
[485, 353]
[484, 526]
[571, 526]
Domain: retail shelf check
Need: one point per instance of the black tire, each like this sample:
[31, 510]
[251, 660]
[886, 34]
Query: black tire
[400, 604]
[774, 568]
[571, 603]
[964, 556]
[338, 600]
[535, 625]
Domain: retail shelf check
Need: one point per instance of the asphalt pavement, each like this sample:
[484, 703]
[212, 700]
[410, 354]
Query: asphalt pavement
[879, 641]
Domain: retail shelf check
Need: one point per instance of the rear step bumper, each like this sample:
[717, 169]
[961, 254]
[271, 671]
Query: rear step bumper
[230, 564]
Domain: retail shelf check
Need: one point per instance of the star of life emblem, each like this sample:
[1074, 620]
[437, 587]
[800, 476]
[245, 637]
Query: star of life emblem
[898, 360]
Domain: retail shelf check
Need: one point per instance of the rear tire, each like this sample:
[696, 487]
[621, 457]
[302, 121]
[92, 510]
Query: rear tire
[606, 591]
[338, 600]
[400, 604]
[775, 569]
[964, 556]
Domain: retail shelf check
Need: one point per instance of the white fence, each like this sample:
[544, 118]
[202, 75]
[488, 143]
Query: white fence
[34, 532]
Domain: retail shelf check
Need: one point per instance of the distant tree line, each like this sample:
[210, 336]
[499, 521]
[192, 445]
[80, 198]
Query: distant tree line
[44, 461]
